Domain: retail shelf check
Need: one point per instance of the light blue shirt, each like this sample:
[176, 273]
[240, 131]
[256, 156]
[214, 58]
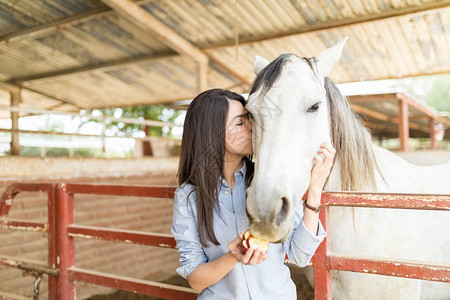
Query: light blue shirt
[268, 280]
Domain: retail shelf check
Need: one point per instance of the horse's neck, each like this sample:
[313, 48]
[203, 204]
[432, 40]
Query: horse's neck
[400, 176]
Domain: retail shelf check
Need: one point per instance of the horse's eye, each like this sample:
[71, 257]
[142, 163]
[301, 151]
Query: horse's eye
[314, 107]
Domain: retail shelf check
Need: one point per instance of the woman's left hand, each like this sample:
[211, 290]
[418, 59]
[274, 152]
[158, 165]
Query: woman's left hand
[322, 167]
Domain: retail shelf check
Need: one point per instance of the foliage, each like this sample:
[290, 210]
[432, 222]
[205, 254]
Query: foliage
[59, 152]
[439, 94]
[148, 112]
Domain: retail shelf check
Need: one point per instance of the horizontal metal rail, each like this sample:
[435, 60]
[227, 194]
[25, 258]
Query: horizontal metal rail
[407, 269]
[123, 236]
[401, 201]
[144, 287]
[23, 225]
[120, 190]
[325, 260]
[27, 265]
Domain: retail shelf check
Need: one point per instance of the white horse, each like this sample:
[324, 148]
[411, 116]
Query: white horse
[295, 107]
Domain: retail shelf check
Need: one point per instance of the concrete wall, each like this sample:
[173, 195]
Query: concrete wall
[133, 213]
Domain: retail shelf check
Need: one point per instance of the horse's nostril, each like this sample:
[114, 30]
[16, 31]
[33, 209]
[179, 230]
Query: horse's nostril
[282, 214]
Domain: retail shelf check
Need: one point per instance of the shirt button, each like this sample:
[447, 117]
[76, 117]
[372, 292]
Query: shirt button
[226, 192]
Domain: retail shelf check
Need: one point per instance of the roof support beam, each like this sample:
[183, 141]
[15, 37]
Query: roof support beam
[100, 67]
[43, 29]
[13, 88]
[403, 128]
[141, 18]
[15, 102]
[144, 20]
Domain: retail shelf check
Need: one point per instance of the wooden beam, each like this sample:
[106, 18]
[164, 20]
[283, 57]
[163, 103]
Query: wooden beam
[403, 128]
[370, 113]
[15, 102]
[100, 67]
[144, 20]
[16, 88]
[47, 28]
[432, 134]
[323, 26]
[43, 29]
[202, 77]
[372, 97]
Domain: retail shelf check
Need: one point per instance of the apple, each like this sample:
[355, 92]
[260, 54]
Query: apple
[250, 241]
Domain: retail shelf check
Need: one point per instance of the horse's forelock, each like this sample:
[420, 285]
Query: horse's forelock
[266, 77]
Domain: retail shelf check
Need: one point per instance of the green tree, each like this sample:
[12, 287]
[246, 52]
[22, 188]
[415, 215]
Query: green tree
[439, 94]
[148, 112]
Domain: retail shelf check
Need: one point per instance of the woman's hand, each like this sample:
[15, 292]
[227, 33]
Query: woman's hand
[322, 167]
[251, 257]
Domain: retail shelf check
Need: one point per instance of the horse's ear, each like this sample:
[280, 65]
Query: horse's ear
[327, 58]
[260, 63]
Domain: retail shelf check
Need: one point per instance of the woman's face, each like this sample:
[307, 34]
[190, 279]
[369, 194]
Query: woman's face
[238, 131]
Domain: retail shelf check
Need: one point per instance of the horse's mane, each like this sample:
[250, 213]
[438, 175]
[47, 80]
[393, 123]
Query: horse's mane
[350, 138]
[352, 141]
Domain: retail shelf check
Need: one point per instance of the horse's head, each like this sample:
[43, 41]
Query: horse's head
[288, 105]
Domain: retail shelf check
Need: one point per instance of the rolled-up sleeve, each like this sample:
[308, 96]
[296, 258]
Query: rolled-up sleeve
[301, 243]
[185, 230]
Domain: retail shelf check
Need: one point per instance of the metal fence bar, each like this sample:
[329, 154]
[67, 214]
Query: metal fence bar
[322, 276]
[124, 236]
[407, 269]
[324, 260]
[52, 245]
[143, 287]
[401, 201]
[65, 248]
[122, 190]
[23, 225]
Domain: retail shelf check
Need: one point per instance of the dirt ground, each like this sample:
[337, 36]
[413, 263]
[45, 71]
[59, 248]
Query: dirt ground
[304, 290]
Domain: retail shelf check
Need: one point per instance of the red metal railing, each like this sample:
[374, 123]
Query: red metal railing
[325, 261]
[61, 260]
[63, 273]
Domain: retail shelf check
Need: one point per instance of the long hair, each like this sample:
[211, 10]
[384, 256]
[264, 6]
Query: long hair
[203, 152]
[353, 143]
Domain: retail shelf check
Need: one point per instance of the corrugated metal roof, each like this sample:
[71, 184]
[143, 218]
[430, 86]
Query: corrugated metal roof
[85, 54]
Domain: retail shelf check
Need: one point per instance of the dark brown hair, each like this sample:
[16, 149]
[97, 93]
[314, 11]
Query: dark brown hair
[203, 152]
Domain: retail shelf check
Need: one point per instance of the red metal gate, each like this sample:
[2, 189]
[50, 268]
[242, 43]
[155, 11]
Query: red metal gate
[324, 261]
[61, 268]
[63, 273]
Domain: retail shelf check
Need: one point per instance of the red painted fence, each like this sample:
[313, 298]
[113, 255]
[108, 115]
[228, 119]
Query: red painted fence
[62, 231]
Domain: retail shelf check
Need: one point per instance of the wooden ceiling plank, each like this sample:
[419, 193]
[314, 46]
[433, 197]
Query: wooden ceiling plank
[141, 18]
[134, 13]
[291, 9]
[43, 29]
[385, 44]
[361, 18]
[445, 21]
[100, 67]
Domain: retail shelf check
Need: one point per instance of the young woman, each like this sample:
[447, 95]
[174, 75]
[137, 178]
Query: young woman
[209, 213]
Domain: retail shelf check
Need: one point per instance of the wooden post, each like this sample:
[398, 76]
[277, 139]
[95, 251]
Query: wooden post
[15, 146]
[432, 123]
[202, 76]
[403, 124]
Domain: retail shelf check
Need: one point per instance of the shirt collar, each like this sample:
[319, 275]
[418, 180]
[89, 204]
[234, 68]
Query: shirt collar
[238, 174]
